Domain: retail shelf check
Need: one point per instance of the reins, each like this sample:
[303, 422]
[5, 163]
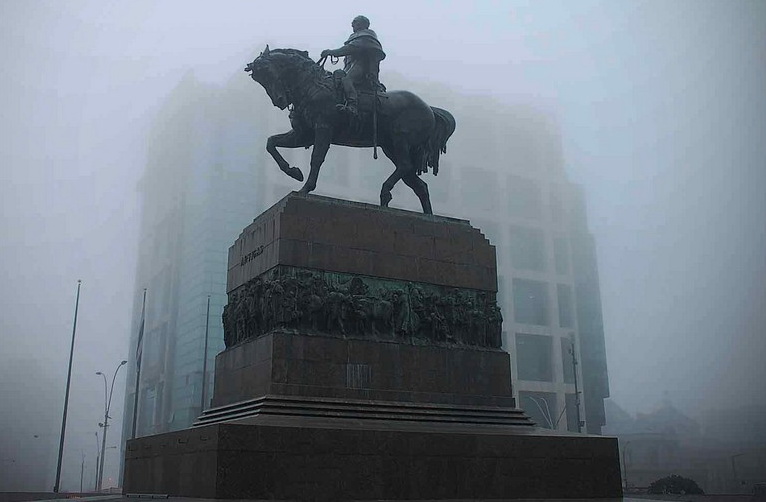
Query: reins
[334, 60]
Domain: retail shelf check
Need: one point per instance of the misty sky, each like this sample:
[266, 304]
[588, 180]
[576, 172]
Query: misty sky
[662, 107]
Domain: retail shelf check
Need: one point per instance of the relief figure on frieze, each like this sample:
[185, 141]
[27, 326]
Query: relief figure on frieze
[336, 311]
[382, 314]
[309, 301]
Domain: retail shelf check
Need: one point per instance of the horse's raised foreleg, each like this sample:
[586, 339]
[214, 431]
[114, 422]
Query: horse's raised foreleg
[322, 139]
[420, 188]
[287, 140]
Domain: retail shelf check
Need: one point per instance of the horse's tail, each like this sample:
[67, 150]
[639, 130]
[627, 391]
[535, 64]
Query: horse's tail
[437, 141]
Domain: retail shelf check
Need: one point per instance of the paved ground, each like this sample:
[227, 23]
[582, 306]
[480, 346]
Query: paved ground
[88, 497]
[35, 496]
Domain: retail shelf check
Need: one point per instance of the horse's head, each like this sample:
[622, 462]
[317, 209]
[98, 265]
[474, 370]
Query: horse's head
[274, 70]
[266, 71]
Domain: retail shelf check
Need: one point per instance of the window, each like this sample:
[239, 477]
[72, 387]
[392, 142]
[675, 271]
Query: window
[557, 204]
[153, 353]
[561, 255]
[533, 357]
[478, 189]
[524, 197]
[530, 302]
[541, 408]
[147, 411]
[527, 248]
[566, 314]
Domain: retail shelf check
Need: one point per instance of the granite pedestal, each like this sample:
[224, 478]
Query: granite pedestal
[362, 363]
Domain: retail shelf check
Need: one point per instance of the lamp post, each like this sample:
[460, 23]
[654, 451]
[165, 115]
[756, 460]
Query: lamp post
[57, 484]
[734, 471]
[105, 424]
[577, 390]
[625, 464]
[98, 456]
[204, 357]
[82, 470]
[139, 353]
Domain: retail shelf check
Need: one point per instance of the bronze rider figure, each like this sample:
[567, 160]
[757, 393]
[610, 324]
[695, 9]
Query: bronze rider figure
[362, 56]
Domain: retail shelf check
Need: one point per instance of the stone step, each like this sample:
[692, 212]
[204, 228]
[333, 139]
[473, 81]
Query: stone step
[359, 409]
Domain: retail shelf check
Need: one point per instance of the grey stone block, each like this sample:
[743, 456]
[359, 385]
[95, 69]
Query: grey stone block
[271, 461]
[328, 234]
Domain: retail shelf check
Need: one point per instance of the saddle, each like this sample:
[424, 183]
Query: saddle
[365, 90]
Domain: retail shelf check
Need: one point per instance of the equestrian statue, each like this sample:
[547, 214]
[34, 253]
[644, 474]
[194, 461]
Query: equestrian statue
[350, 107]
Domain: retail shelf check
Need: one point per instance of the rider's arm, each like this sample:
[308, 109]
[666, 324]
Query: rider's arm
[346, 50]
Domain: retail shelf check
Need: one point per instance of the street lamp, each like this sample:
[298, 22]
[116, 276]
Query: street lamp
[98, 457]
[105, 424]
[82, 470]
[66, 394]
[580, 422]
[625, 463]
[734, 471]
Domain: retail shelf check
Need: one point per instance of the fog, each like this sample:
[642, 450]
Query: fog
[662, 115]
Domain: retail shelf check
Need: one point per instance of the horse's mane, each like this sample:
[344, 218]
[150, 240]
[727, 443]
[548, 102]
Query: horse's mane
[302, 59]
[295, 52]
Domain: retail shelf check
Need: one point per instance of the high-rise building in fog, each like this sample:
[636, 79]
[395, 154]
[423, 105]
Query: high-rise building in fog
[208, 175]
[505, 173]
[196, 193]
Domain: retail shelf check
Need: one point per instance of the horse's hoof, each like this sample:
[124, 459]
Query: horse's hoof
[295, 173]
[306, 189]
[385, 199]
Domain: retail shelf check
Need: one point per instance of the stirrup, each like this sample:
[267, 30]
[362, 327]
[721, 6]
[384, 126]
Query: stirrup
[350, 109]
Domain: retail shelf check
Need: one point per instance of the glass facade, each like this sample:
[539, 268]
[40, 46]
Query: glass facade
[527, 245]
[197, 195]
[534, 359]
[566, 311]
[561, 255]
[481, 182]
[521, 199]
[524, 197]
[530, 302]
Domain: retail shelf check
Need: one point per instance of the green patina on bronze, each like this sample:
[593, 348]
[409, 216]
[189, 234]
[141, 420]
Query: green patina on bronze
[348, 305]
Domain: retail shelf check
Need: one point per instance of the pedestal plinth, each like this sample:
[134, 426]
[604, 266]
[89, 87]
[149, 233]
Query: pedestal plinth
[363, 361]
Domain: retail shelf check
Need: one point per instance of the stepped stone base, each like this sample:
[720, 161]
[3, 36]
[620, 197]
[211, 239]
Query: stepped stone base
[323, 418]
[283, 457]
[332, 415]
[295, 364]
[251, 411]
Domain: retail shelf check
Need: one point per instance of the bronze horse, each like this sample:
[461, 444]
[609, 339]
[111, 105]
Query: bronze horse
[410, 133]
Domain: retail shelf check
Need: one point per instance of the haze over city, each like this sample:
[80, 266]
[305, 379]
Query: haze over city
[661, 113]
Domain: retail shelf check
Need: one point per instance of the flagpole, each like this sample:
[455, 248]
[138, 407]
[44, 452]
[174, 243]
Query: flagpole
[139, 355]
[204, 357]
[66, 394]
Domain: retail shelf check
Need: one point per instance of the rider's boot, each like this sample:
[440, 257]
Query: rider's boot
[350, 106]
